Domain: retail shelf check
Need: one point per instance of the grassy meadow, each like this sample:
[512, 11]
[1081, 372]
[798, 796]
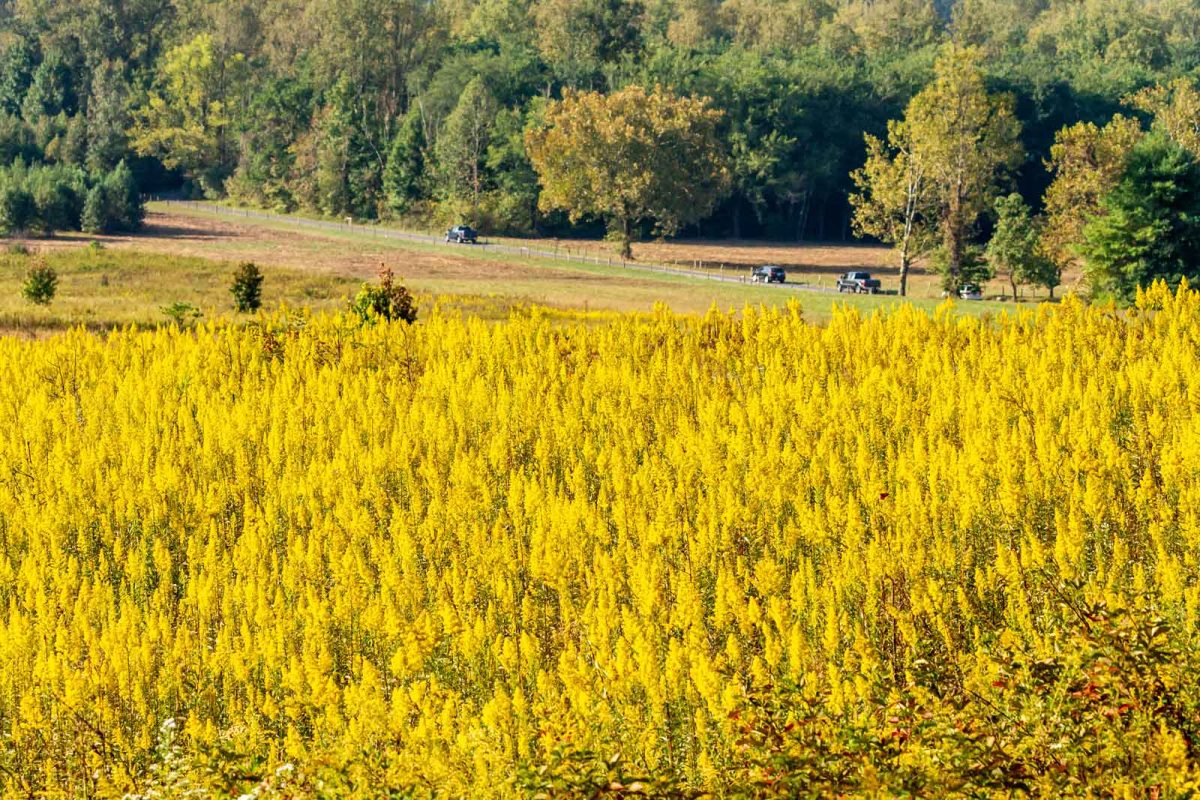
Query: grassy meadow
[189, 257]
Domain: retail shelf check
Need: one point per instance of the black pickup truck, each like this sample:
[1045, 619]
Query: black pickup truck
[858, 282]
[462, 234]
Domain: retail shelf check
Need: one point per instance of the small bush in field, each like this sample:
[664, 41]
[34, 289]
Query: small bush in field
[40, 284]
[247, 287]
[182, 313]
[389, 300]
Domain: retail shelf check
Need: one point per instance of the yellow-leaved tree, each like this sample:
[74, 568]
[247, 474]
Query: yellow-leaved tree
[630, 157]
[185, 121]
[1176, 110]
[1087, 161]
[893, 201]
[939, 170]
[966, 138]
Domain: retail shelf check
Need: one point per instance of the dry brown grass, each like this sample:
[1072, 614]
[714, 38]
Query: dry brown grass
[189, 257]
[815, 263]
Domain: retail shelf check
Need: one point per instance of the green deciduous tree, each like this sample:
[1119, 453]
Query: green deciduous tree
[278, 114]
[108, 118]
[386, 300]
[1015, 247]
[894, 199]
[186, 119]
[965, 139]
[629, 157]
[1151, 226]
[579, 37]
[1086, 161]
[515, 196]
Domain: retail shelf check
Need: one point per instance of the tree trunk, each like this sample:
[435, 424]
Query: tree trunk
[737, 218]
[954, 247]
[1013, 281]
[802, 217]
[626, 240]
[475, 193]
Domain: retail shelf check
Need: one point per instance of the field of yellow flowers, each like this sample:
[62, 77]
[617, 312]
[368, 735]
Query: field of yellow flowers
[634, 555]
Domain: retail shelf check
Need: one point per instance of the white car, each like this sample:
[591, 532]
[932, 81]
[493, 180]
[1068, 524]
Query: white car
[970, 291]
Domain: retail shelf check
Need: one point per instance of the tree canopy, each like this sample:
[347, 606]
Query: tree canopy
[1151, 226]
[630, 157]
[965, 140]
[894, 200]
[247, 98]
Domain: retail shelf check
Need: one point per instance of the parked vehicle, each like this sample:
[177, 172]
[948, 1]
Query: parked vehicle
[768, 274]
[858, 283]
[970, 291]
[462, 234]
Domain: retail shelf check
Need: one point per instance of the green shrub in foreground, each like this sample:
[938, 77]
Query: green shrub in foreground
[389, 300]
[40, 285]
[247, 287]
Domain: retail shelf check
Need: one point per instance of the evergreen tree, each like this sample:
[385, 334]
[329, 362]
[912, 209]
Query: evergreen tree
[56, 204]
[95, 211]
[402, 178]
[247, 287]
[1150, 228]
[41, 284]
[18, 211]
[126, 210]
[463, 143]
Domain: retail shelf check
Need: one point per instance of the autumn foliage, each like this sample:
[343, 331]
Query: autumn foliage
[630, 157]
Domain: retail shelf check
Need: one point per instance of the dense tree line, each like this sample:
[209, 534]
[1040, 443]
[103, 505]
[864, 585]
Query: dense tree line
[421, 108]
[381, 108]
[45, 198]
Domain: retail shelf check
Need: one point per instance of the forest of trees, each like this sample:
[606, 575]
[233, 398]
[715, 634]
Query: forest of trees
[429, 109]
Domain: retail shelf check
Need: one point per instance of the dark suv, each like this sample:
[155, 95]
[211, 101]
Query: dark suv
[463, 234]
[768, 274]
